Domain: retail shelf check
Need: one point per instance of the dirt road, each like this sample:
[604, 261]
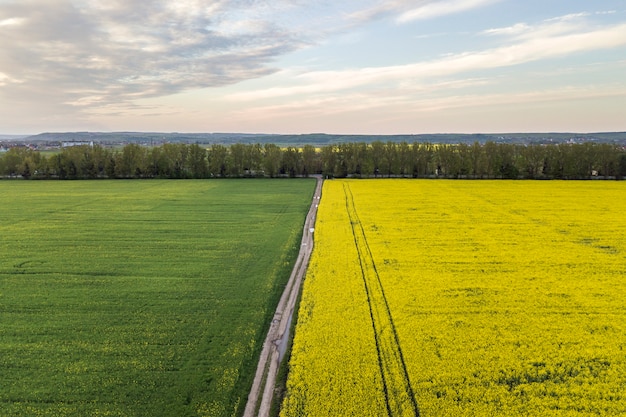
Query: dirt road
[262, 391]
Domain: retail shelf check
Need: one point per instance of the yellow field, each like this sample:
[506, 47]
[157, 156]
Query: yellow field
[463, 298]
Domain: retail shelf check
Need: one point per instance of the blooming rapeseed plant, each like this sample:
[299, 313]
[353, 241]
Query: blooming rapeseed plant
[505, 298]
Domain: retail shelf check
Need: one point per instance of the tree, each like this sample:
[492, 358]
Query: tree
[533, 159]
[13, 158]
[422, 155]
[502, 160]
[464, 159]
[254, 159]
[507, 155]
[273, 159]
[608, 160]
[58, 164]
[492, 159]
[405, 165]
[99, 156]
[477, 160]
[622, 166]
[109, 166]
[197, 156]
[177, 155]
[131, 162]
[217, 155]
[587, 155]
[446, 160]
[377, 152]
[328, 160]
[157, 164]
[347, 160]
[236, 162]
[28, 167]
[42, 166]
[390, 159]
[309, 160]
[291, 161]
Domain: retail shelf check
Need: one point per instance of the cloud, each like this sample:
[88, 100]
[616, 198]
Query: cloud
[435, 9]
[548, 43]
[73, 59]
[406, 112]
[5, 80]
[103, 51]
[12, 21]
[569, 23]
[94, 52]
[404, 11]
[513, 30]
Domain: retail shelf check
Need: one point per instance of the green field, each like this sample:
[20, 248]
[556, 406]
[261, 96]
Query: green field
[140, 298]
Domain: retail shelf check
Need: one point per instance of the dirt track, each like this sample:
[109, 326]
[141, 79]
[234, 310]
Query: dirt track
[278, 335]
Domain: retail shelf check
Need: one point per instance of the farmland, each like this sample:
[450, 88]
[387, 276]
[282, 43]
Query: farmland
[132, 298]
[450, 298]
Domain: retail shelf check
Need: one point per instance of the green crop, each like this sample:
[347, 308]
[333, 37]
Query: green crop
[140, 298]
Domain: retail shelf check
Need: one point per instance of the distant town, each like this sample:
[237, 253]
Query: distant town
[55, 141]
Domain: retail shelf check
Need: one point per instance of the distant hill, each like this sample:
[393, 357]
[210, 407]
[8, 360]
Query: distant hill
[319, 139]
[12, 137]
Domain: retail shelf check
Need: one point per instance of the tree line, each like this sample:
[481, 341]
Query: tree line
[376, 159]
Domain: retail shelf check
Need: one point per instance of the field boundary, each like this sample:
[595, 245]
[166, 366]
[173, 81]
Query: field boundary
[262, 391]
[399, 396]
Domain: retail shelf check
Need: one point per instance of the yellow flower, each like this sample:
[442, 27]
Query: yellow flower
[489, 298]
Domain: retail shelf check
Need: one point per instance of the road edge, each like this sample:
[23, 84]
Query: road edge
[278, 335]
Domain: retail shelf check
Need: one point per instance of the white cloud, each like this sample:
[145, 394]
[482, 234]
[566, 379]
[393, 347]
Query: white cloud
[12, 21]
[404, 11]
[527, 50]
[516, 29]
[128, 48]
[435, 9]
[407, 112]
[124, 49]
[74, 59]
[6, 79]
[571, 16]
[569, 23]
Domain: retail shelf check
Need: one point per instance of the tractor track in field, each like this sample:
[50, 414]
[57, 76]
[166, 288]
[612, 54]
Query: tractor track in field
[262, 391]
[399, 395]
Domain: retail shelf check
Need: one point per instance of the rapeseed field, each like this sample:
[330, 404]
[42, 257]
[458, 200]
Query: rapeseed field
[463, 298]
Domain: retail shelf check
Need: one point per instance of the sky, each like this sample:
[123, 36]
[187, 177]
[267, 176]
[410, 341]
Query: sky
[316, 66]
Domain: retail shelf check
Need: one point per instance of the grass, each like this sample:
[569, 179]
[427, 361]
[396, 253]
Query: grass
[140, 298]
